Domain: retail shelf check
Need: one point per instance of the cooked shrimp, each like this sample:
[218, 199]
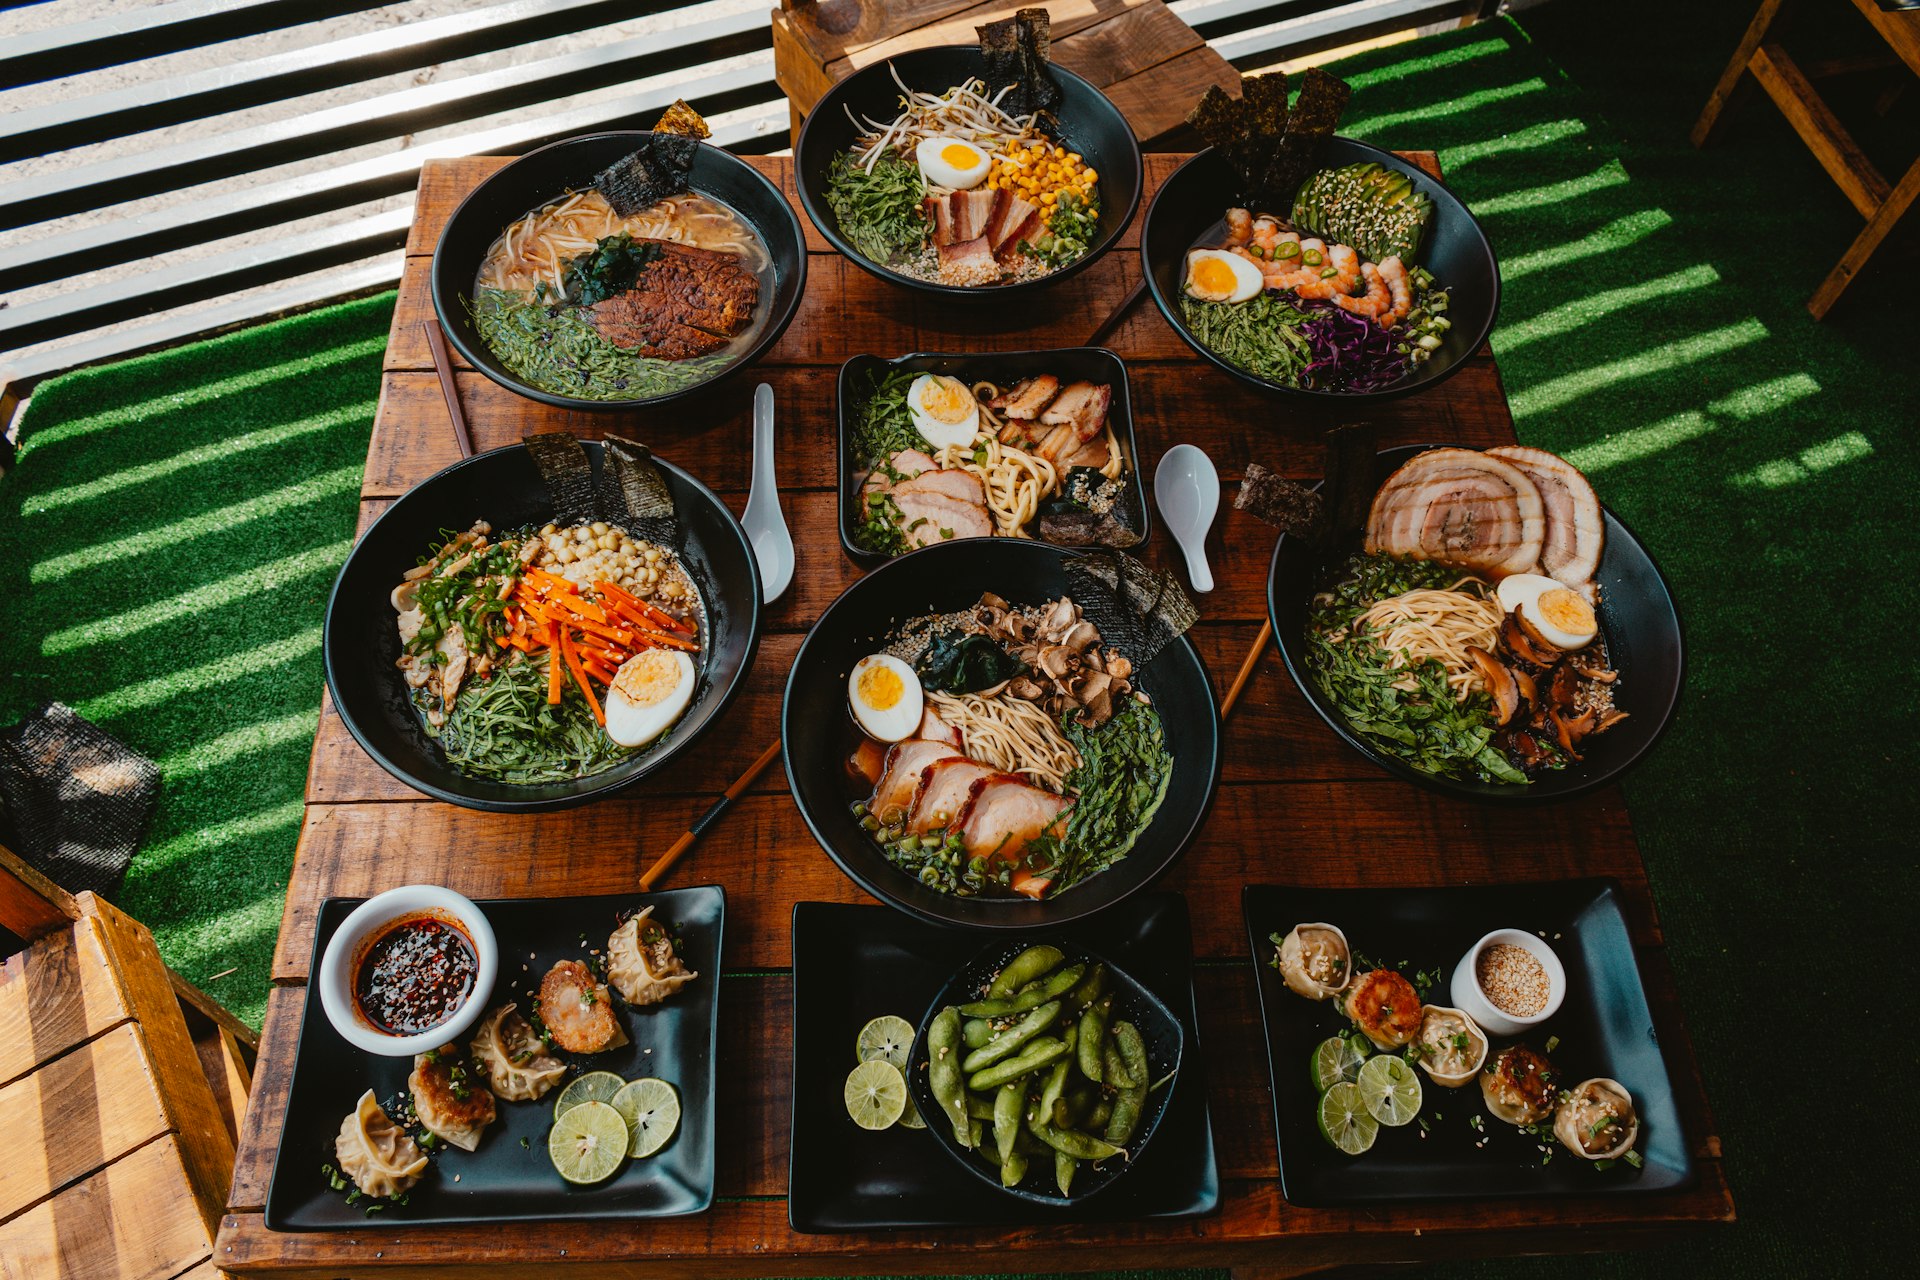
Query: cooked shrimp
[1399, 289]
[1239, 226]
[1374, 302]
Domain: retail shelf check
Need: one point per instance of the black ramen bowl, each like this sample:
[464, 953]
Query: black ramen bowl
[1197, 195]
[1165, 1040]
[1089, 124]
[1638, 620]
[541, 177]
[818, 732]
[504, 488]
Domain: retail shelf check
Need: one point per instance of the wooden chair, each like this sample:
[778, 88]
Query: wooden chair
[1791, 86]
[1153, 65]
[122, 1087]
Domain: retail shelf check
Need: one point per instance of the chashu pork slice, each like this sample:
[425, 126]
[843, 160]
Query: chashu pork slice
[971, 212]
[1576, 534]
[1463, 508]
[1027, 397]
[1007, 813]
[928, 517]
[908, 463]
[946, 788]
[968, 263]
[900, 776]
[961, 486]
[1081, 405]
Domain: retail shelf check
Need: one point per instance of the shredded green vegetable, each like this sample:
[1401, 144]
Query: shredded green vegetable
[882, 427]
[503, 728]
[1261, 336]
[555, 348]
[879, 211]
[1071, 230]
[1423, 726]
[1119, 785]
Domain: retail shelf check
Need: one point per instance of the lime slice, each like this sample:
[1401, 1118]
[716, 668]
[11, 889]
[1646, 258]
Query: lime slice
[1344, 1121]
[910, 1118]
[889, 1039]
[1336, 1059]
[652, 1111]
[1390, 1089]
[595, 1086]
[876, 1094]
[588, 1142]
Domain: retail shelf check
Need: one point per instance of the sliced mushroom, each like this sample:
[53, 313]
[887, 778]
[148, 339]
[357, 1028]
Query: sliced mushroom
[1612, 717]
[1027, 688]
[1516, 637]
[1061, 616]
[1058, 661]
[1599, 675]
[1081, 636]
[1500, 683]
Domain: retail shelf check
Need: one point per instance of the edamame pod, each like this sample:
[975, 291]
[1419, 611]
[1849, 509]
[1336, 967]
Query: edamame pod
[1012, 1038]
[1028, 966]
[1114, 1066]
[1093, 1039]
[1053, 987]
[1007, 1105]
[1012, 1169]
[1130, 1103]
[1096, 1121]
[1081, 1146]
[1041, 1052]
[1091, 988]
[979, 1108]
[943, 1071]
[976, 1032]
[1056, 1084]
[1064, 1167]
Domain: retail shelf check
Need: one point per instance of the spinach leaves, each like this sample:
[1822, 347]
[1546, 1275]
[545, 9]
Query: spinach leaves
[966, 664]
[609, 268]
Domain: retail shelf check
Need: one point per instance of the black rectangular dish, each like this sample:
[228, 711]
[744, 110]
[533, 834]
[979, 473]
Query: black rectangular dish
[1603, 1028]
[855, 963]
[511, 1177]
[1093, 364]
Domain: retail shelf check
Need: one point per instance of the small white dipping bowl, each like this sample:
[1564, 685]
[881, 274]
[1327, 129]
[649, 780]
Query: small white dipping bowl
[1469, 998]
[363, 927]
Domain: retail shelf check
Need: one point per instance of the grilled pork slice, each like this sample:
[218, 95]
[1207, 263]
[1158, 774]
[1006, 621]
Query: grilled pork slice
[1007, 813]
[1023, 223]
[908, 463]
[940, 214]
[1460, 507]
[961, 486]
[929, 517]
[968, 262]
[1576, 530]
[1006, 217]
[1091, 454]
[1082, 404]
[687, 302]
[971, 211]
[946, 788]
[1027, 397]
[1058, 442]
[900, 776]
[934, 729]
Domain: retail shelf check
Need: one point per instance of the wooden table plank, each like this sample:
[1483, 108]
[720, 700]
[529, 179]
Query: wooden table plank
[1296, 806]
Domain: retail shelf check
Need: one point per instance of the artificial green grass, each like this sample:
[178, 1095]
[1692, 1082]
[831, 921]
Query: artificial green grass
[167, 541]
[1654, 330]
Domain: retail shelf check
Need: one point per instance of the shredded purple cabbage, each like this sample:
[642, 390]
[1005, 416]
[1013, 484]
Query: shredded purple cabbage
[1350, 352]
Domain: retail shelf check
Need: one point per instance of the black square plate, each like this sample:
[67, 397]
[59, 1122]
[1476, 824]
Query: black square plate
[853, 964]
[1003, 368]
[505, 1180]
[1604, 1029]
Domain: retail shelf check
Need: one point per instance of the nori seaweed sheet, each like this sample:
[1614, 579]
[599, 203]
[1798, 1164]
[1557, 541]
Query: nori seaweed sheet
[1138, 610]
[1323, 98]
[1067, 521]
[634, 493]
[1349, 489]
[567, 473]
[682, 119]
[1016, 50]
[656, 169]
[1272, 148]
[1294, 509]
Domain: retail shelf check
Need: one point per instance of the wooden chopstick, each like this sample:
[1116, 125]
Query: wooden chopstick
[443, 365]
[1119, 313]
[666, 860]
[1246, 668]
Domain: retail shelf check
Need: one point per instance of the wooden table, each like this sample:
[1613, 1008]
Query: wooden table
[1295, 805]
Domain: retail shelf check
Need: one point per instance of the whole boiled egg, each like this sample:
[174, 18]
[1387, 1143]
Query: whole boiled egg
[1561, 615]
[886, 697]
[649, 692]
[944, 410]
[952, 162]
[1214, 275]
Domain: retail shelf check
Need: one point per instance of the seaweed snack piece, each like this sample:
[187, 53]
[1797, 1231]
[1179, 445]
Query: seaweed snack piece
[1272, 148]
[1294, 509]
[1349, 488]
[1316, 114]
[1016, 50]
[683, 120]
[565, 471]
[657, 168]
[1141, 610]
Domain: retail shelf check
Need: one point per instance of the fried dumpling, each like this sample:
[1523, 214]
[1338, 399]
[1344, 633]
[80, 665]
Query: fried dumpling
[516, 1064]
[377, 1153]
[578, 1010]
[1597, 1121]
[1385, 1007]
[449, 1098]
[1315, 961]
[1518, 1085]
[642, 963]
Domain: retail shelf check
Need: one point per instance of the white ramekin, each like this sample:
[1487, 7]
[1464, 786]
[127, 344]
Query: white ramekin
[366, 920]
[1469, 999]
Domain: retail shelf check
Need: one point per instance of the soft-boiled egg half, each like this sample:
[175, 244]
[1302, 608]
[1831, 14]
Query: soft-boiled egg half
[952, 162]
[943, 409]
[1556, 611]
[886, 697]
[649, 692]
[1214, 275]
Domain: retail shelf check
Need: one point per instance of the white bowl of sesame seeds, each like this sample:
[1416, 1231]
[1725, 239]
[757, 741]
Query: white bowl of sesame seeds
[1509, 982]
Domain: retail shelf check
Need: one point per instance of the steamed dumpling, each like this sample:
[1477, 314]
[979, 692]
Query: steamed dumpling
[642, 963]
[377, 1153]
[1315, 961]
[577, 1010]
[1597, 1121]
[449, 1098]
[516, 1064]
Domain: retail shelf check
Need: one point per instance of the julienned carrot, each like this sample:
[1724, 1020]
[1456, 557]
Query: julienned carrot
[561, 591]
[614, 634]
[553, 664]
[597, 670]
[672, 642]
[580, 675]
[648, 613]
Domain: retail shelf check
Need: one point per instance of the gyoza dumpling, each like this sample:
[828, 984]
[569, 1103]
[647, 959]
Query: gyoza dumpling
[642, 963]
[1597, 1121]
[377, 1153]
[449, 1098]
[1519, 1086]
[516, 1064]
[1315, 961]
[577, 1010]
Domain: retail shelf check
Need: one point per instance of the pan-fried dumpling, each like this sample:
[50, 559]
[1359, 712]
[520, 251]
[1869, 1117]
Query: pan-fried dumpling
[577, 1010]
[516, 1064]
[1385, 1007]
[449, 1098]
[1519, 1086]
[377, 1153]
[642, 963]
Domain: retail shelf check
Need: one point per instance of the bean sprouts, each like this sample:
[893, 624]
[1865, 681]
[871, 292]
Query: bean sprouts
[963, 112]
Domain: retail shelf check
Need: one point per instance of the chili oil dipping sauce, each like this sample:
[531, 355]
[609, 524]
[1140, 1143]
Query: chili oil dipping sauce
[408, 971]
[414, 974]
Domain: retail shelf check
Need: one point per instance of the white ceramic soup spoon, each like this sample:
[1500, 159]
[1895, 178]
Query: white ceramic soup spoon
[1187, 490]
[766, 527]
